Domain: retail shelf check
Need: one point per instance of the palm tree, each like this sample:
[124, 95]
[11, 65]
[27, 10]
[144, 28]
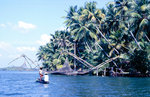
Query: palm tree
[41, 53]
[112, 20]
[140, 20]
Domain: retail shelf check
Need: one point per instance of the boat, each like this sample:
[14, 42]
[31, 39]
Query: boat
[42, 81]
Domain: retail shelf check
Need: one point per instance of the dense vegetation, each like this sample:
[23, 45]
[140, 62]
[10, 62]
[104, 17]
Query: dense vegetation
[95, 35]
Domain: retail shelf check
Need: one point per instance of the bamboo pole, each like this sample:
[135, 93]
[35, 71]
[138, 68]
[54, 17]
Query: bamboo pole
[96, 71]
[78, 58]
[14, 60]
[104, 63]
[105, 53]
[30, 60]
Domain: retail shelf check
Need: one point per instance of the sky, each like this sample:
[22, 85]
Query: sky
[27, 24]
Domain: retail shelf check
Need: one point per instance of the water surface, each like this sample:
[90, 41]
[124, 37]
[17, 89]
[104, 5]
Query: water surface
[22, 84]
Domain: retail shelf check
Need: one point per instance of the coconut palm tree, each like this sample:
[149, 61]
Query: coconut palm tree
[140, 20]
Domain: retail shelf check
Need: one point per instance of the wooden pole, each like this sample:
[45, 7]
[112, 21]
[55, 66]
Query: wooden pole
[105, 72]
[104, 63]
[78, 58]
[96, 71]
[74, 54]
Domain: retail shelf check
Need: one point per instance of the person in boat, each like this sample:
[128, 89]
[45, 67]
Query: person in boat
[41, 73]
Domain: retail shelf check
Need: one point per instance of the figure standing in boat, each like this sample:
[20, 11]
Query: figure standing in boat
[41, 73]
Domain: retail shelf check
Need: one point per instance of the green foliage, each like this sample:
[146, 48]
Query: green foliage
[139, 61]
[120, 29]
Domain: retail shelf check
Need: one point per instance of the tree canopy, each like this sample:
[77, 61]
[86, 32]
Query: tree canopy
[122, 28]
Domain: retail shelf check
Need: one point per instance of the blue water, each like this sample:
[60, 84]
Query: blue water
[22, 84]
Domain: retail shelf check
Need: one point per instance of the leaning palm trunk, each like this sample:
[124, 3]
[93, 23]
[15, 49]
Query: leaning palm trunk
[105, 53]
[101, 49]
[106, 39]
[75, 54]
[147, 37]
[135, 40]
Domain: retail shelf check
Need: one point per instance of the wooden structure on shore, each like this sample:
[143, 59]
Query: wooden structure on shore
[67, 70]
[26, 66]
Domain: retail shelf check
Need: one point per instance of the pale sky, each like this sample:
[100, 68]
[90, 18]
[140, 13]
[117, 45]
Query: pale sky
[27, 24]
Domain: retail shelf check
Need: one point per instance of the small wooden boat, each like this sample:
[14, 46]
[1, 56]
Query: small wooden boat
[42, 81]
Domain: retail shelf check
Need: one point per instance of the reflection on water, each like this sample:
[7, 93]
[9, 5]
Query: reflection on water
[45, 85]
[18, 84]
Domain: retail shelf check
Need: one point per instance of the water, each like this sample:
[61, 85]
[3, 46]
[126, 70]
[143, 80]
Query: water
[22, 84]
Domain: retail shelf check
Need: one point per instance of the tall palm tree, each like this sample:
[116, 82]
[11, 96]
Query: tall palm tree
[140, 20]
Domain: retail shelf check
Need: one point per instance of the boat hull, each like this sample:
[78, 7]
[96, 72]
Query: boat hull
[42, 81]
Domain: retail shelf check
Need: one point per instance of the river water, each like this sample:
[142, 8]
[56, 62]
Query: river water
[22, 84]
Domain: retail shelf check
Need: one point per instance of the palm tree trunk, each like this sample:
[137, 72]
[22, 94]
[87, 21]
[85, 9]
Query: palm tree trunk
[74, 54]
[135, 40]
[147, 37]
[106, 39]
[102, 49]
[105, 53]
